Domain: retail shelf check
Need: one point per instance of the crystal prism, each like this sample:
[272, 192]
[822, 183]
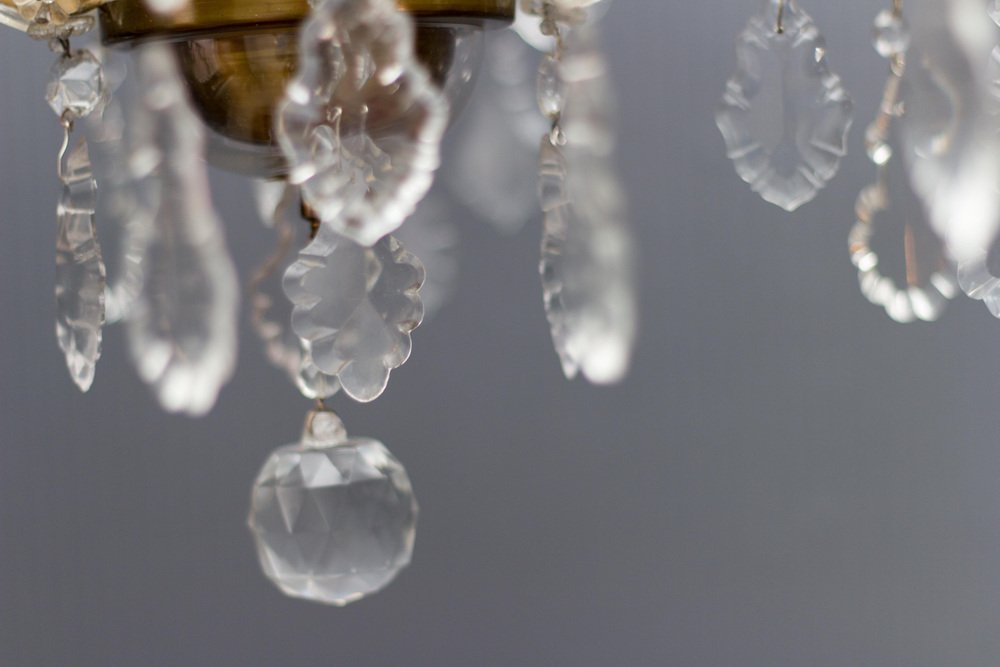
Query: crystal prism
[587, 247]
[356, 308]
[182, 328]
[76, 85]
[363, 173]
[80, 272]
[334, 518]
[271, 311]
[784, 115]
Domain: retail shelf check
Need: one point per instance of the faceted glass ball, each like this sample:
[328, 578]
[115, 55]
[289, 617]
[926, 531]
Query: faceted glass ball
[333, 524]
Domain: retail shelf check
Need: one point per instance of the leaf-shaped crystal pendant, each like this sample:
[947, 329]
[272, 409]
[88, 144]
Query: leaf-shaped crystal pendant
[80, 272]
[334, 518]
[784, 115]
[361, 123]
[182, 328]
[356, 307]
[587, 247]
[271, 311]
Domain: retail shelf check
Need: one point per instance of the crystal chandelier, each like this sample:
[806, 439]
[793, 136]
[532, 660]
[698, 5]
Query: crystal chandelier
[337, 111]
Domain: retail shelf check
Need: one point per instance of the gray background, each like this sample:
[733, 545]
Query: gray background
[787, 477]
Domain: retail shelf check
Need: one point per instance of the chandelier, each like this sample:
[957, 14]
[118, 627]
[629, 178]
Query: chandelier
[336, 110]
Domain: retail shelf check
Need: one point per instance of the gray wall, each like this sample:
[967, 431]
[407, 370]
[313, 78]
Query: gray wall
[787, 477]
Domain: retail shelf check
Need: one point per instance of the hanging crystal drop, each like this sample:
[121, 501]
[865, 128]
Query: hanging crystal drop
[271, 311]
[80, 272]
[334, 518]
[587, 248]
[182, 330]
[356, 307]
[949, 137]
[361, 124]
[784, 115]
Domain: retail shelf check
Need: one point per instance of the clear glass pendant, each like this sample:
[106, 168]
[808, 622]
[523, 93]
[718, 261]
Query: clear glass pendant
[182, 328]
[587, 248]
[356, 307]
[334, 518]
[362, 173]
[80, 272]
[784, 115]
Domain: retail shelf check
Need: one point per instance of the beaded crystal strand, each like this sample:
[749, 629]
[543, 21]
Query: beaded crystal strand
[927, 282]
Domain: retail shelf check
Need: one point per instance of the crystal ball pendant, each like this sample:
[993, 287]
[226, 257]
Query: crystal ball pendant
[334, 518]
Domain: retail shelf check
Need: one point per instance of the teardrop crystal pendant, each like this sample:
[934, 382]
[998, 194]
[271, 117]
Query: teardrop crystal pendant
[587, 247]
[356, 307]
[362, 173]
[334, 518]
[182, 328]
[80, 272]
[784, 115]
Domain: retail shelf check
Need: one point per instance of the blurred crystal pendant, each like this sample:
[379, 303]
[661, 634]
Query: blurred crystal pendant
[494, 157]
[75, 91]
[924, 278]
[587, 247]
[183, 325]
[949, 137]
[432, 235]
[361, 173]
[356, 307]
[334, 518]
[270, 309]
[784, 115]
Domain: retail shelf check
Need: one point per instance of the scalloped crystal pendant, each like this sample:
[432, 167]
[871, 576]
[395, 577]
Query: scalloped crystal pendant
[361, 124]
[784, 115]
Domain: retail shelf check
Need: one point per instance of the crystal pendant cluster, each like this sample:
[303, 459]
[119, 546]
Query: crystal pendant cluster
[784, 115]
[927, 275]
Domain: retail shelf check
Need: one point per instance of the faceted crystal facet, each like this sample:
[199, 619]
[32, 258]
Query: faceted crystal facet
[361, 124]
[271, 311]
[784, 115]
[356, 307]
[587, 248]
[182, 330]
[76, 85]
[334, 519]
[47, 12]
[80, 272]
